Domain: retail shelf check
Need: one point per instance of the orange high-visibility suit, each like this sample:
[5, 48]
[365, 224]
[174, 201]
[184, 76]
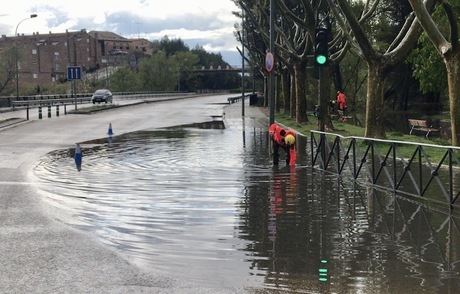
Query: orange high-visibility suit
[285, 139]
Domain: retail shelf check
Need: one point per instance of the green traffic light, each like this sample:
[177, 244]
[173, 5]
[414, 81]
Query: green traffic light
[321, 59]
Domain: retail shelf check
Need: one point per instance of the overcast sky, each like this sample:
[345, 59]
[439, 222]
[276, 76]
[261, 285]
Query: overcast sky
[208, 23]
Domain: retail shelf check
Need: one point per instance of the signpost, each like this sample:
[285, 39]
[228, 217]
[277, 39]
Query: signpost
[74, 73]
[269, 62]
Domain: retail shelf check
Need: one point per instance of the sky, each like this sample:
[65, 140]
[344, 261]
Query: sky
[207, 23]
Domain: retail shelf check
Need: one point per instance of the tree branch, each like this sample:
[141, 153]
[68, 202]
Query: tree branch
[428, 24]
[453, 23]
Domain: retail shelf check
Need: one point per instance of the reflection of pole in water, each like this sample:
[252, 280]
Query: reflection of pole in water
[244, 132]
[448, 245]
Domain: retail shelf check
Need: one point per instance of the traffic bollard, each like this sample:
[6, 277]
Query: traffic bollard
[65, 109]
[40, 112]
[49, 110]
[57, 110]
[27, 112]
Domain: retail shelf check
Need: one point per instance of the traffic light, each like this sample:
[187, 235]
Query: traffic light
[321, 46]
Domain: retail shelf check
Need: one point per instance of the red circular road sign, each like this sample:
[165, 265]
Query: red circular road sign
[269, 62]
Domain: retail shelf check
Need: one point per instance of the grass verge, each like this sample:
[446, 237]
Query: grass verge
[346, 129]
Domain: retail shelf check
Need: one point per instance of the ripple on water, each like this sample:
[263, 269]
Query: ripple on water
[206, 205]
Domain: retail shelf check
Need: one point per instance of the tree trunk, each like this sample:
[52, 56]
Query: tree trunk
[374, 105]
[278, 92]
[286, 91]
[292, 96]
[453, 78]
[301, 107]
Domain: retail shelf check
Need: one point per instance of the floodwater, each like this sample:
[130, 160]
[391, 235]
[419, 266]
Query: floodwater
[207, 206]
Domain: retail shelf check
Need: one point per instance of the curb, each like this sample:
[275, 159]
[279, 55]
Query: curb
[10, 123]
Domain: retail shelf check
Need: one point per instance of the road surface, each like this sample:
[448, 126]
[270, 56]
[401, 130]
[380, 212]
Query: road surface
[41, 255]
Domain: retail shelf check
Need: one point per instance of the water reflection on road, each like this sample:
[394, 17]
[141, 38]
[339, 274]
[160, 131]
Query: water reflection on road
[206, 205]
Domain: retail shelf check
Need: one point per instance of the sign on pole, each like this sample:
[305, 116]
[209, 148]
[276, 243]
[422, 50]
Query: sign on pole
[269, 62]
[74, 73]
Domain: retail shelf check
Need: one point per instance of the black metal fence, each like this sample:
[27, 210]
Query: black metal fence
[423, 171]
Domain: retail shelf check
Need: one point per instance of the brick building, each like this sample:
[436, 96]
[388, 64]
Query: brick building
[43, 58]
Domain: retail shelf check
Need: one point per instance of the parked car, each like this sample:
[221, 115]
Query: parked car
[102, 95]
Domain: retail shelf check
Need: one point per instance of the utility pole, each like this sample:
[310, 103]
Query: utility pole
[242, 64]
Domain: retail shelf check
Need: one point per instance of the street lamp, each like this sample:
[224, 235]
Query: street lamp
[16, 46]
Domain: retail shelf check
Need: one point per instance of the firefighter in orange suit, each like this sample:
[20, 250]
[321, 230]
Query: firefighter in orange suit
[285, 139]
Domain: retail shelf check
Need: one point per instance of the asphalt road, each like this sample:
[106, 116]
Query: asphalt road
[41, 255]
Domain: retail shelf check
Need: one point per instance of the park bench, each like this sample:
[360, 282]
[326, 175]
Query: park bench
[422, 125]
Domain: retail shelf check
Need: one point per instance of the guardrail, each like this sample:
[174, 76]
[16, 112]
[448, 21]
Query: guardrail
[383, 164]
[12, 101]
[51, 102]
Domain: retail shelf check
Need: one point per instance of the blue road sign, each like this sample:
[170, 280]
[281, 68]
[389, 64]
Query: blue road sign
[73, 72]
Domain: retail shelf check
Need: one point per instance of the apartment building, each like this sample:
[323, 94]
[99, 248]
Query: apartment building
[43, 58]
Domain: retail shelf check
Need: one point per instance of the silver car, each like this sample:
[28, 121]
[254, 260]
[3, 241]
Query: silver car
[102, 95]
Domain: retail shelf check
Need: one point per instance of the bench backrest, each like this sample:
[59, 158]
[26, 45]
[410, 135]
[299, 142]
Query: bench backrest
[419, 123]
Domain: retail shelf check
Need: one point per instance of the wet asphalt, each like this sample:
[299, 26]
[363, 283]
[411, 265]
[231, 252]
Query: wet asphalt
[39, 254]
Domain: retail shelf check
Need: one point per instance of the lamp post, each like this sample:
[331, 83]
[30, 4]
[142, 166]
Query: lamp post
[16, 51]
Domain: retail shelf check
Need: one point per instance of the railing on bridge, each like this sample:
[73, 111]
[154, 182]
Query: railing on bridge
[219, 68]
[402, 167]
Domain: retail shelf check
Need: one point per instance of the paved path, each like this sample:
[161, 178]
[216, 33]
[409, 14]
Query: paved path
[41, 255]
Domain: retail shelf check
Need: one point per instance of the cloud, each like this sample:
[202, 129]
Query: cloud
[208, 23]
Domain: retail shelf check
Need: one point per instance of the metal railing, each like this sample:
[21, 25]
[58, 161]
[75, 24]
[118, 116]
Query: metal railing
[402, 167]
[36, 100]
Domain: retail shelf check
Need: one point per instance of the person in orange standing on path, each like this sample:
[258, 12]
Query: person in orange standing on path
[285, 139]
[341, 103]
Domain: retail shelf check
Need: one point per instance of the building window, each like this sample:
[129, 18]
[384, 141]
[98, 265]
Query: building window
[34, 51]
[35, 76]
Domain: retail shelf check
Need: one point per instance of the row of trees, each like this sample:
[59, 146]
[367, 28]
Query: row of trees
[171, 68]
[382, 42]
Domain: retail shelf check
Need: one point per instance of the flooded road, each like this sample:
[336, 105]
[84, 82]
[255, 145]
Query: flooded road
[206, 205]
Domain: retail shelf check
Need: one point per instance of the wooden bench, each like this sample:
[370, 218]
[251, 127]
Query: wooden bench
[421, 125]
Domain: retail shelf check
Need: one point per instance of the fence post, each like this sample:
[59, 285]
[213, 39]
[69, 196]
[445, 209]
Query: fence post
[57, 110]
[372, 162]
[353, 141]
[49, 110]
[420, 171]
[312, 149]
[451, 180]
[40, 112]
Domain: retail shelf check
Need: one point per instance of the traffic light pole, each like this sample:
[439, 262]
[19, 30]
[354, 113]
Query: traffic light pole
[271, 80]
[322, 97]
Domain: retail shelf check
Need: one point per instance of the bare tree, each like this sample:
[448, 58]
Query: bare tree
[450, 53]
[379, 63]
[7, 68]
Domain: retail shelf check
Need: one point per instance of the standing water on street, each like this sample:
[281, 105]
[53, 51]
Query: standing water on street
[208, 206]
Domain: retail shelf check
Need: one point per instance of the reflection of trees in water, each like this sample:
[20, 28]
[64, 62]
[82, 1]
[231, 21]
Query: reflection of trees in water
[371, 239]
